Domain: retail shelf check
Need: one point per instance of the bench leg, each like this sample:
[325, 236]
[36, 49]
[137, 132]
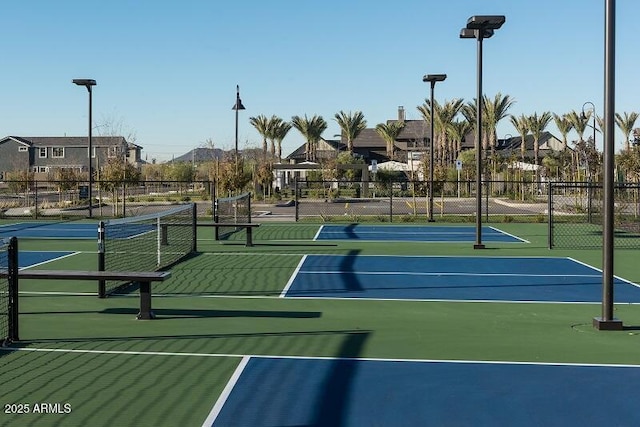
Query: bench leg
[249, 236]
[145, 302]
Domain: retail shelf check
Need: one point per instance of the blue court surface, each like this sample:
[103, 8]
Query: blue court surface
[415, 233]
[271, 391]
[32, 258]
[450, 278]
[72, 230]
[49, 230]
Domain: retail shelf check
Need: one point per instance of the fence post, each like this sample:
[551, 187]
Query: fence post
[486, 200]
[550, 213]
[296, 199]
[589, 196]
[391, 201]
[35, 196]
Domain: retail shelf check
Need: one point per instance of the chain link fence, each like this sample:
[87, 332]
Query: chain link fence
[408, 201]
[577, 215]
[62, 199]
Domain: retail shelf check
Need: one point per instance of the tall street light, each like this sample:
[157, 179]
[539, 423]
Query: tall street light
[480, 27]
[607, 321]
[237, 106]
[89, 83]
[432, 78]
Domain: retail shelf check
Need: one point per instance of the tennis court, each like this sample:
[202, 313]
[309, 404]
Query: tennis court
[300, 331]
[63, 230]
[421, 233]
[452, 278]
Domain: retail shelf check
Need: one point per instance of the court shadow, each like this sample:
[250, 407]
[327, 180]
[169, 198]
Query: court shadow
[349, 279]
[335, 398]
[169, 313]
[309, 244]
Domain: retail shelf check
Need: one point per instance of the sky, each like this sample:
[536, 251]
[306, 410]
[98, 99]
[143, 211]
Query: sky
[167, 71]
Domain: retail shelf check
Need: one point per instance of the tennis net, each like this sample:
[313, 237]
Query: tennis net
[231, 210]
[145, 243]
[8, 291]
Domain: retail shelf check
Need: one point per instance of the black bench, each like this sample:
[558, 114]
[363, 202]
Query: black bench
[144, 278]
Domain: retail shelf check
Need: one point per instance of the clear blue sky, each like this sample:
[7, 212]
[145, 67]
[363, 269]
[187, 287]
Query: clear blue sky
[168, 70]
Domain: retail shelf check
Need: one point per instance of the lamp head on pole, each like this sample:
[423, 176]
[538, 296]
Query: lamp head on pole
[85, 82]
[432, 78]
[238, 105]
[468, 33]
[487, 22]
[583, 116]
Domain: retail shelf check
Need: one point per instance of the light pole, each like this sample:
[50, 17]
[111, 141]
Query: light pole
[432, 78]
[607, 321]
[89, 83]
[584, 117]
[237, 106]
[480, 27]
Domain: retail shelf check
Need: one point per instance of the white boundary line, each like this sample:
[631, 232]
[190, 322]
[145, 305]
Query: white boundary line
[270, 356]
[318, 233]
[222, 399]
[293, 276]
[508, 234]
[52, 259]
[600, 271]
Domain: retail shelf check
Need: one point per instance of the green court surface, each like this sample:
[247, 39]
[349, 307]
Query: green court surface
[90, 361]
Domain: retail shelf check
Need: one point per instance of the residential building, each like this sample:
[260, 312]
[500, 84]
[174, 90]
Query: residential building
[43, 155]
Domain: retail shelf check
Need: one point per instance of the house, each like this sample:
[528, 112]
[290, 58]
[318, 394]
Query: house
[412, 145]
[43, 155]
[326, 149]
[546, 144]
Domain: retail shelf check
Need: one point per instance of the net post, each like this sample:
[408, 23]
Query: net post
[216, 218]
[14, 310]
[101, 264]
[194, 225]
[249, 208]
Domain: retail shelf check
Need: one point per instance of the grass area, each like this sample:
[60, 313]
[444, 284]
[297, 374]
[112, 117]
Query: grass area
[221, 304]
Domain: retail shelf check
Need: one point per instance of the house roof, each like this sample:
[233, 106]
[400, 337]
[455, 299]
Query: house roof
[514, 142]
[326, 148]
[199, 154]
[68, 141]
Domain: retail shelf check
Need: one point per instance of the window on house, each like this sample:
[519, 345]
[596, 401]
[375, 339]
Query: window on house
[113, 152]
[22, 148]
[57, 152]
[43, 169]
[43, 152]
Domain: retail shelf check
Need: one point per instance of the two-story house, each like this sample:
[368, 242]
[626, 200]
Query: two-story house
[43, 155]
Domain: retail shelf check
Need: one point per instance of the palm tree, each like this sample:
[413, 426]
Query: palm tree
[626, 124]
[579, 122]
[444, 115]
[521, 124]
[389, 132]
[351, 124]
[495, 110]
[311, 129]
[456, 131]
[261, 123]
[537, 125]
[279, 131]
[564, 126]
